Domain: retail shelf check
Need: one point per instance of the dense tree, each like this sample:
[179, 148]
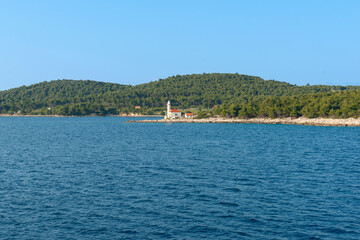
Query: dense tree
[339, 104]
[239, 96]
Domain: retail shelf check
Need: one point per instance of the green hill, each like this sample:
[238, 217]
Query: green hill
[337, 104]
[78, 97]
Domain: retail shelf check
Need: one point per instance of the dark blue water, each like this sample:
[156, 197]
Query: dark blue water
[102, 178]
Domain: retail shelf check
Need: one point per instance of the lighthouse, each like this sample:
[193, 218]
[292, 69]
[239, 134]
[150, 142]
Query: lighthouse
[168, 110]
[172, 113]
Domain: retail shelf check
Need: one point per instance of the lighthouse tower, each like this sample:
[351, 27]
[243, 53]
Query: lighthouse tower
[168, 110]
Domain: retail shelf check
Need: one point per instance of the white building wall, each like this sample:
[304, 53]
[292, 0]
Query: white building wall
[175, 115]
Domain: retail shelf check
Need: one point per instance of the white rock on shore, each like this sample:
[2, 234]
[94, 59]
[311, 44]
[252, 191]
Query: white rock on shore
[299, 121]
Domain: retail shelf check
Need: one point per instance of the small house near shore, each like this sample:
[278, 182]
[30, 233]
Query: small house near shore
[175, 113]
[172, 113]
[189, 115]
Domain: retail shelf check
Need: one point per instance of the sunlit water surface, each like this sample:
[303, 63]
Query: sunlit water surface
[103, 178]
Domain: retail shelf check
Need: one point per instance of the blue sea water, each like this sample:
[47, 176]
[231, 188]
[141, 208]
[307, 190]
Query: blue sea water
[104, 178]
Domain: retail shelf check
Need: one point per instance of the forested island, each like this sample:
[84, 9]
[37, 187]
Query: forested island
[227, 95]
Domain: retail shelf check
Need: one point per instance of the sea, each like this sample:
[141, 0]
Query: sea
[106, 178]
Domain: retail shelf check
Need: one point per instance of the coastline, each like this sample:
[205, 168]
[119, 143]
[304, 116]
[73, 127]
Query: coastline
[132, 116]
[352, 122]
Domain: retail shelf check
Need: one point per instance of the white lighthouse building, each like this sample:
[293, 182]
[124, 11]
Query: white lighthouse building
[168, 109]
[172, 113]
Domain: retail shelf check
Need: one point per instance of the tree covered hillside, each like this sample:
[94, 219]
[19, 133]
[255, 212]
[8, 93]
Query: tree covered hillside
[211, 89]
[78, 97]
[338, 104]
[60, 96]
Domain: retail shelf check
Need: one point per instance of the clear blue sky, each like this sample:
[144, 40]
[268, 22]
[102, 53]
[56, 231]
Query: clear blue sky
[132, 42]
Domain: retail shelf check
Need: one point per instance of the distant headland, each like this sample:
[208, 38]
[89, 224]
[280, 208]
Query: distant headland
[176, 116]
[350, 122]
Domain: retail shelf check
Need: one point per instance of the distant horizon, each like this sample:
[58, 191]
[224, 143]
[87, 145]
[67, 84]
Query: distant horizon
[169, 77]
[135, 42]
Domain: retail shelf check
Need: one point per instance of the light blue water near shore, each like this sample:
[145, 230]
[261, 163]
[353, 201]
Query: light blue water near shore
[102, 178]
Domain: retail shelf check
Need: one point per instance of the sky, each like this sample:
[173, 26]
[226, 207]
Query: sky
[133, 41]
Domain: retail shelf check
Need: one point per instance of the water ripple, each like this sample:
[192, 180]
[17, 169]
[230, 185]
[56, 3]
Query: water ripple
[101, 178]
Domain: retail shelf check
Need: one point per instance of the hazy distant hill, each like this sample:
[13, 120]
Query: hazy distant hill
[78, 97]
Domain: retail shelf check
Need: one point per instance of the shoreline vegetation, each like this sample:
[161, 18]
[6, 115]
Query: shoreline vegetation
[351, 122]
[233, 96]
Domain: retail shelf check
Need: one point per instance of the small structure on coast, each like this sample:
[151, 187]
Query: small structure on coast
[189, 115]
[172, 113]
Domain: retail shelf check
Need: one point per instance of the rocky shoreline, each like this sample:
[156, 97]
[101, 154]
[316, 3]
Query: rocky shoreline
[133, 116]
[353, 122]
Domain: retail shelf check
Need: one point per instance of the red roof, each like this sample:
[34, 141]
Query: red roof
[174, 110]
[189, 114]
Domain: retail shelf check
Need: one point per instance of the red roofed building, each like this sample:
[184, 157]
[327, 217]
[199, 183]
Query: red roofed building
[189, 115]
[172, 113]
